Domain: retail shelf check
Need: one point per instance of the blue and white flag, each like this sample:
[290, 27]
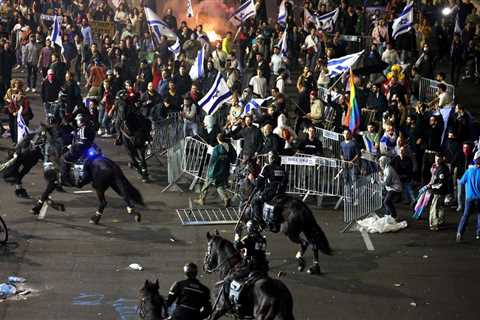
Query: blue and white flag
[446, 113]
[283, 45]
[245, 11]
[340, 65]
[22, 129]
[327, 21]
[158, 26]
[458, 28]
[369, 144]
[56, 36]
[308, 18]
[175, 48]
[404, 23]
[282, 14]
[254, 104]
[218, 94]
[197, 69]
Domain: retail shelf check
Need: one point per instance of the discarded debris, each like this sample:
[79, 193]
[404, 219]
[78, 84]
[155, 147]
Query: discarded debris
[413, 304]
[7, 290]
[397, 284]
[425, 257]
[136, 267]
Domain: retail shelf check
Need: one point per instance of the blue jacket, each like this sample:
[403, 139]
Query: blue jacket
[471, 180]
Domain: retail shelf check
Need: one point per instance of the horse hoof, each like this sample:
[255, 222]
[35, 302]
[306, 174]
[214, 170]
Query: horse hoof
[315, 269]
[138, 217]
[22, 193]
[95, 219]
[130, 165]
[35, 211]
[301, 264]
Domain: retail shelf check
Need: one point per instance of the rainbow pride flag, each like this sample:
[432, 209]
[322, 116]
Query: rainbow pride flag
[352, 118]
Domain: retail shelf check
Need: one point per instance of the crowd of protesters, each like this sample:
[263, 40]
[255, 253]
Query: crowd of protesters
[418, 147]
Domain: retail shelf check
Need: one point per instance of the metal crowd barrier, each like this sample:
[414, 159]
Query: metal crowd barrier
[362, 197]
[330, 141]
[166, 133]
[429, 88]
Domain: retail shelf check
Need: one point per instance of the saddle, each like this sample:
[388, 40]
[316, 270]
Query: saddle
[78, 173]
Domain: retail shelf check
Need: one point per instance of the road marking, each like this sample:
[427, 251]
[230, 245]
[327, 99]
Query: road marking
[43, 211]
[367, 240]
[82, 191]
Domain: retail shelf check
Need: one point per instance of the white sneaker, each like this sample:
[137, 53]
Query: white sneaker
[34, 90]
[106, 135]
[27, 90]
[100, 132]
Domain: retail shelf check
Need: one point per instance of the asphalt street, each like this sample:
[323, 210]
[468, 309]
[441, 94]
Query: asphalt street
[80, 271]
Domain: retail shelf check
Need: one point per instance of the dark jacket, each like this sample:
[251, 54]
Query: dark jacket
[252, 139]
[441, 180]
[50, 90]
[404, 168]
[190, 296]
[272, 143]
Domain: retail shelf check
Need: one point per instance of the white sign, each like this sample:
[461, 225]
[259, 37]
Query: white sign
[298, 161]
[330, 135]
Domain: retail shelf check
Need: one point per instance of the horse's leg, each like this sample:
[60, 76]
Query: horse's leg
[51, 185]
[303, 247]
[315, 268]
[124, 195]
[19, 189]
[95, 219]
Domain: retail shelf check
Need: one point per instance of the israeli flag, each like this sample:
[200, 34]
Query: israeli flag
[326, 21]
[56, 36]
[369, 144]
[245, 11]
[197, 69]
[218, 94]
[340, 65]
[283, 45]
[175, 48]
[457, 28]
[158, 26]
[254, 104]
[307, 19]
[282, 14]
[22, 129]
[404, 23]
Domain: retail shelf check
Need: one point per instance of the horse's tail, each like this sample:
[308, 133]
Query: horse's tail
[315, 234]
[126, 189]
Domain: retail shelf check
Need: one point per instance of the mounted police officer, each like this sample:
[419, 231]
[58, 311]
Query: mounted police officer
[254, 246]
[192, 297]
[271, 182]
[82, 140]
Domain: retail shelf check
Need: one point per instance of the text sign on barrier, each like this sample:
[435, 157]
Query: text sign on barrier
[298, 161]
[332, 163]
[330, 135]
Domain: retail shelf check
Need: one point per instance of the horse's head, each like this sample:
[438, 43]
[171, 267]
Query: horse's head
[221, 253]
[152, 304]
[149, 289]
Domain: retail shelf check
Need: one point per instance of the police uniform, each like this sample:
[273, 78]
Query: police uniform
[271, 182]
[192, 300]
[255, 258]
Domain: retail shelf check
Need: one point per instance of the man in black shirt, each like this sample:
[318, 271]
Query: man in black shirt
[311, 144]
[192, 297]
[252, 136]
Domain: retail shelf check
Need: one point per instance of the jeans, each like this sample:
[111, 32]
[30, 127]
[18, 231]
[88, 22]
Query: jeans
[190, 127]
[408, 191]
[104, 120]
[460, 194]
[462, 225]
[388, 203]
[32, 71]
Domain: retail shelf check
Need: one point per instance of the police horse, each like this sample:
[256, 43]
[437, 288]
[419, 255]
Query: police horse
[152, 305]
[260, 298]
[134, 131]
[292, 217]
[93, 167]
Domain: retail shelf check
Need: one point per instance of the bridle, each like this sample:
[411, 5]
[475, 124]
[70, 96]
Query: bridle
[208, 258]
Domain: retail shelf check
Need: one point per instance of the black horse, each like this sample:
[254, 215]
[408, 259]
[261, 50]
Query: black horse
[152, 305]
[266, 299]
[293, 217]
[135, 132]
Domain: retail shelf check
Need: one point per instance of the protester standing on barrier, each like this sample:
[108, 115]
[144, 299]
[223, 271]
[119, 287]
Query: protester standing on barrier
[350, 153]
[471, 181]
[223, 155]
[271, 182]
[393, 185]
[311, 144]
[440, 185]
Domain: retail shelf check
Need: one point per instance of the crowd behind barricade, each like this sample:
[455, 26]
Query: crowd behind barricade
[279, 74]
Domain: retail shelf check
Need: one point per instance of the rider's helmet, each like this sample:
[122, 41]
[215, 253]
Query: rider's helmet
[80, 119]
[190, 270]
[251, 226]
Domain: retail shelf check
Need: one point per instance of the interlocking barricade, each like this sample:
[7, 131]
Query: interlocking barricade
[362, 196]
[166, 133]
[208, 216]
[175, 155]
[428, 89]
[330, 141]
[196, 158]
